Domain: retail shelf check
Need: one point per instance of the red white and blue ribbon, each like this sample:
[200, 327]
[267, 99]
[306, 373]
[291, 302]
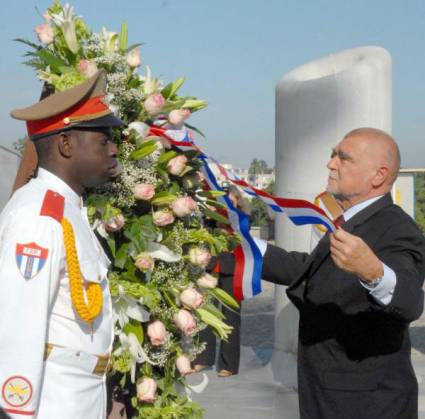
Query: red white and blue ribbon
[247, 278]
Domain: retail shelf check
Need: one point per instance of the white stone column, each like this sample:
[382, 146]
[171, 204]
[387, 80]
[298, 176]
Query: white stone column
[316, 105]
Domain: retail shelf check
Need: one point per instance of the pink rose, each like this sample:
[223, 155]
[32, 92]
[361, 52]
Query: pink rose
[157, 333]
[115, 224]
[177, 164]
[133, 58]
[200, 257]
[183, 365]
[183, 206]
[154, 103]
[178, 116]
[87, 68]
[191, 298]
[184, 320]
[207, 281]
[146, 390]
[144, 191]
[162, 218]
[144, 262]
[45, 33]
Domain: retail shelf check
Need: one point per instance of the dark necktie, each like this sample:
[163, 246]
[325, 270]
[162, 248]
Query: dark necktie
[339, 221]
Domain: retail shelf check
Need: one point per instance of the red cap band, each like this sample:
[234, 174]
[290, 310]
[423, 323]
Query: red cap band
[89, 108]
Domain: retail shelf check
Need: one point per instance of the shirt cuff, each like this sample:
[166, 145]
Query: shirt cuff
[383, 292]
[261, 244]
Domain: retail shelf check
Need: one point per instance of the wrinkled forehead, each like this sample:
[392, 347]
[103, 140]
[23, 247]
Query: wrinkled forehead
[354, 145]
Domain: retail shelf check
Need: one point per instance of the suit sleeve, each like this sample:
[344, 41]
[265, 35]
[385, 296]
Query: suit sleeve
[30, 256]
[282, 267]
[404, 253]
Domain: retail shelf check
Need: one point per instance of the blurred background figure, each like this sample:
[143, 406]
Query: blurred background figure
[229, 352]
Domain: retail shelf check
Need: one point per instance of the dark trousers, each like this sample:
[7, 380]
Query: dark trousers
[229, 352]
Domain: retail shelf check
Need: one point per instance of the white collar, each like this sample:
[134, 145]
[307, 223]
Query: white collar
[56, 183]
[352, 211]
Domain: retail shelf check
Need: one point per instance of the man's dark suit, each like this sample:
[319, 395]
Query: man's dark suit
[354, 353]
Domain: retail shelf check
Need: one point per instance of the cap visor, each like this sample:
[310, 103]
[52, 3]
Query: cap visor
[105, 121]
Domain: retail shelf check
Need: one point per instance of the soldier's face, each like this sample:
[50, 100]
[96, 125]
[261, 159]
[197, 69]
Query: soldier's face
[95, 157]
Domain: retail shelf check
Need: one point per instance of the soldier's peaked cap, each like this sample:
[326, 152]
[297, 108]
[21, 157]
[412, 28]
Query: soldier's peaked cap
[82, 106]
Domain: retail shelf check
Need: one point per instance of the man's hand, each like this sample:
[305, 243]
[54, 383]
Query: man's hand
[352, 254]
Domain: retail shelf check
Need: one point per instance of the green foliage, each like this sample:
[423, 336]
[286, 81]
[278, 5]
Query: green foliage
[257, 166]
[420, 200]
[259, 214]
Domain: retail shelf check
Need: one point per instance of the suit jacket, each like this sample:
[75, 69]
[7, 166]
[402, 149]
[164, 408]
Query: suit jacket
[354, 352]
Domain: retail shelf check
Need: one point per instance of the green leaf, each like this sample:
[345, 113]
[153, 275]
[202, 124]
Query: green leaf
[194, 129]
[186, 170]
[215, 216]
[111, 244]
[163, 198]
[166, 157]
[136, 329]
[215, 204]
[214, 310]
[169, 298]
[132, 47]
[26, 42]
[148, 147]
[121, 256]
[52, 60]
[194, 104]
[224, 298]
[171, 89]
[123, 36]
[212, 193]
[174, 188]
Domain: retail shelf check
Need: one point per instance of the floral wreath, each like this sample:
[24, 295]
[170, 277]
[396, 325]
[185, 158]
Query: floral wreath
[151, 217]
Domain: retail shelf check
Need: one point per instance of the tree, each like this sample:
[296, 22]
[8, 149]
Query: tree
[420, 200]
[257, 166]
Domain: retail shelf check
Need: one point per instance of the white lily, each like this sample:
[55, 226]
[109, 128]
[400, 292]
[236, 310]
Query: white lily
[159, 251]
[131, 344]
[65, 20]
[150, 85]
[140, 128]
[126, 307]
[109, 40]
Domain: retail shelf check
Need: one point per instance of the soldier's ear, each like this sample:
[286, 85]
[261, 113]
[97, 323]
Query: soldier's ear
[65, 144]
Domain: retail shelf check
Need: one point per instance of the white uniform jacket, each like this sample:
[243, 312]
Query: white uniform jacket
[35, 301]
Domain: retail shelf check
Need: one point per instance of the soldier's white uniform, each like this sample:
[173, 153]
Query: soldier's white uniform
[64, 382]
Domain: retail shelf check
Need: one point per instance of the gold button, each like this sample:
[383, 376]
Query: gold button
[66, 121]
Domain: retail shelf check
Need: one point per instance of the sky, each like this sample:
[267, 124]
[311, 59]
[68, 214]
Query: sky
[233, 52]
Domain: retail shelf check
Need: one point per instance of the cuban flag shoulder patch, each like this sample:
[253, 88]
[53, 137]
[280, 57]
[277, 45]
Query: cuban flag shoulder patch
[30, 258]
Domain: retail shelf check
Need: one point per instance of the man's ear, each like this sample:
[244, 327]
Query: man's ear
[381, 176]
[65, 144]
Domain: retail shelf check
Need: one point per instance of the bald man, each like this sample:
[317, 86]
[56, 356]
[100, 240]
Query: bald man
[357, 292]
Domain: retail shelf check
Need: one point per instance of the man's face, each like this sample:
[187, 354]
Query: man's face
[94, 156]
[351, 170]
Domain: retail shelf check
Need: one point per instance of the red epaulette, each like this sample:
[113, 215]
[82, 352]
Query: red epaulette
[53, 205]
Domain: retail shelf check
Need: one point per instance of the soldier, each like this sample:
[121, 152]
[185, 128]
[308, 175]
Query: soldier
[56, 316]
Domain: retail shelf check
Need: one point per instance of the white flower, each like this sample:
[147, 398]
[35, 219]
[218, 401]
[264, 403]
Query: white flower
[127, 307]
[159, 251]
[65, 20]
[131, 344]
[133, 58]
[140, 128]
[109, 41]
[150, 85]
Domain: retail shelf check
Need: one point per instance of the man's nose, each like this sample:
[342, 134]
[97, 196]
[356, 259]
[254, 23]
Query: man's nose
[113, 149]
[331, 164]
